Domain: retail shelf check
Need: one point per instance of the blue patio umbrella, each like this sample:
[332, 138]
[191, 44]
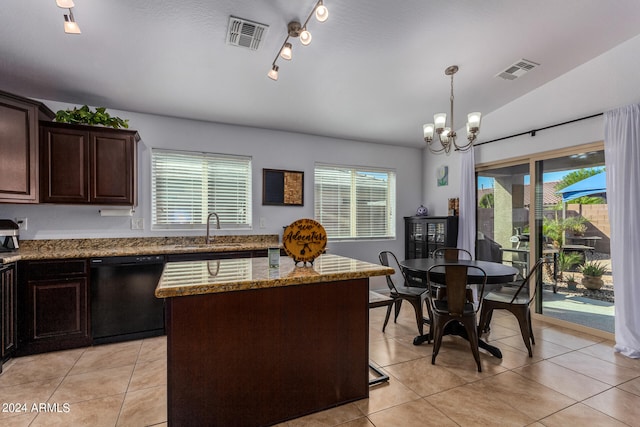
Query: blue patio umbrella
[592, 186]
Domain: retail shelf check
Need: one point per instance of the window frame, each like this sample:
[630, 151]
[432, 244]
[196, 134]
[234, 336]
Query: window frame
[207, 201]
[353, 193]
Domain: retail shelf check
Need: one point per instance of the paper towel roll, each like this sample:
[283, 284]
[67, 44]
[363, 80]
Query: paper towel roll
[116, 212]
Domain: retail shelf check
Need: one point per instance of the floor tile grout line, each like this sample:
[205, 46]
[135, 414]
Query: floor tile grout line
[124, 398]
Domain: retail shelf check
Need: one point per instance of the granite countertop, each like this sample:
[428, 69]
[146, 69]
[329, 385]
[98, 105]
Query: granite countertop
[226, 275]
[87, 248]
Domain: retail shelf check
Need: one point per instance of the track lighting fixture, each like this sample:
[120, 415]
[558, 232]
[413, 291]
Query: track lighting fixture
[295, 29]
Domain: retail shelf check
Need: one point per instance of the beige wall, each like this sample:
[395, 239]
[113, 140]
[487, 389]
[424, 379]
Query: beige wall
[597, 225]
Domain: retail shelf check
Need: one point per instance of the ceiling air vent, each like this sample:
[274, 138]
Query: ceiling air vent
[245, 33]
[517, 69]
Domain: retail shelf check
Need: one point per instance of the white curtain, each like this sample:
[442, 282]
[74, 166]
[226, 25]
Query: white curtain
[467, 220]
[622, 161]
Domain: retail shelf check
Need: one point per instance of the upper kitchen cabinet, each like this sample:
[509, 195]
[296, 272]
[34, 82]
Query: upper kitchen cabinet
[87, 165]
[19, 147]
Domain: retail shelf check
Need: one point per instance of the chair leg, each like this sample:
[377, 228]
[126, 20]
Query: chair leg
[417, 307]
[472, 332]
[427, 321]
[438, 330]
[398, 305]
[386, 318]
[533, 340]
[525, 327]
[485, 318]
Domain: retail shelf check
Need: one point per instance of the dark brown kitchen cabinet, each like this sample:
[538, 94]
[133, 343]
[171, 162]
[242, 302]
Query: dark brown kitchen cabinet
[19, 147]
[8, 311]
[425, 234]
[54, 305]
[87, 165]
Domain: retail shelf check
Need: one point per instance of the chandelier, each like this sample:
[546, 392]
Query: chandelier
[447, 135]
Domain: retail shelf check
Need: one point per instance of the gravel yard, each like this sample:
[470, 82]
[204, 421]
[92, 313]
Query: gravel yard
[603, 294]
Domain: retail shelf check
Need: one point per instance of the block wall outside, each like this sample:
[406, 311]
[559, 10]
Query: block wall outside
[596, 215]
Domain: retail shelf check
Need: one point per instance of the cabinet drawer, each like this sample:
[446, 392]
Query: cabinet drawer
[36, 270]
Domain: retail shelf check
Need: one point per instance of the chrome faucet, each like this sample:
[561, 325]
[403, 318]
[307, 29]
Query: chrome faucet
[208, 239]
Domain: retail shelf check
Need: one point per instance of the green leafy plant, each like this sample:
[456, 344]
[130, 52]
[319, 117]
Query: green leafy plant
[567, 261]
[84, 115]
[554, 229]
[572, 283]
[593, 268]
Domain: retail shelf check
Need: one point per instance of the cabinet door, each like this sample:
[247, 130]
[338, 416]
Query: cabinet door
[59, 310]
[18, 152]
[64, 165]
[112, 168]
[8, 309]
[416, 235]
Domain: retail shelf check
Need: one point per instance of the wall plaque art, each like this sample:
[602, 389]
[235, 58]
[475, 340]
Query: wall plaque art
[282, 187]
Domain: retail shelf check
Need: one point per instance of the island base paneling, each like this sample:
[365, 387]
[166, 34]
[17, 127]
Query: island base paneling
[263, 356]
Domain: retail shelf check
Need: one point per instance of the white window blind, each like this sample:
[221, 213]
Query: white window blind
[355, 203]
[187, 186]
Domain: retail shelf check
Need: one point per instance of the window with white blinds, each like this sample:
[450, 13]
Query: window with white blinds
[355, 203]
[188, 186]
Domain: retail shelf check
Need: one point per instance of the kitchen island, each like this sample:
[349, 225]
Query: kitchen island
[252, 345]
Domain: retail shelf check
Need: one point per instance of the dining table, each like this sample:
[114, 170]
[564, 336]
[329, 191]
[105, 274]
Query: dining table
[497, 273]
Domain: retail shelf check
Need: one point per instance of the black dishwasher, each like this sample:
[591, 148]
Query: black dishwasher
[123, 304]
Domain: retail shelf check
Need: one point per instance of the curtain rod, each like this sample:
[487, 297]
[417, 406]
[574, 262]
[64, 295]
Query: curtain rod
[533, 131]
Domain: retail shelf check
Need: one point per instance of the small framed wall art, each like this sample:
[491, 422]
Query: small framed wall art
[282, 187]
[442, 175]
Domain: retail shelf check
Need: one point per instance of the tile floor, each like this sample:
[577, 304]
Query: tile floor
[573, 379]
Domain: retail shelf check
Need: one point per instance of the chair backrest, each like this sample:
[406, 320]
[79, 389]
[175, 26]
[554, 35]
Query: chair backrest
[452, 254]
[456, 286]
[524, 286]
[388, 259]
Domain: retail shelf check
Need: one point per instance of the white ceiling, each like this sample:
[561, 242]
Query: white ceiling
[373, 72]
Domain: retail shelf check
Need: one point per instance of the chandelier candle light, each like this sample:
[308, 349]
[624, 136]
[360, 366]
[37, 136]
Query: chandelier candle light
[447, 135]
[295, 29]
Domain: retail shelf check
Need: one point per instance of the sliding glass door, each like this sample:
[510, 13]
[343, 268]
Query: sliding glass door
[503, 215]
[572, 225]
[551, 205]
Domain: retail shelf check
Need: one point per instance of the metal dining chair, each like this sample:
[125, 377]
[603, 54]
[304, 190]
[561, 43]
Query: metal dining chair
[455, 307]
[516, 298]
[452, 253]
[400, 291]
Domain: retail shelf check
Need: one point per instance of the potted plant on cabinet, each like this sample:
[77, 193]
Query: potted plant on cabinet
[85, 116]
[592, 272]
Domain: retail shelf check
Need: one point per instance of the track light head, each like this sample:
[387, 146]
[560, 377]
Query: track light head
[322, 13]
[273, 73]
[65, 4]
[286, 52]
[305, 37]
[70, 24]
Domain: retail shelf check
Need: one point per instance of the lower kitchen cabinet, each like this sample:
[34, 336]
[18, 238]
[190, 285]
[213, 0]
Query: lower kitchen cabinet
[54, 306]
[8, 311]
